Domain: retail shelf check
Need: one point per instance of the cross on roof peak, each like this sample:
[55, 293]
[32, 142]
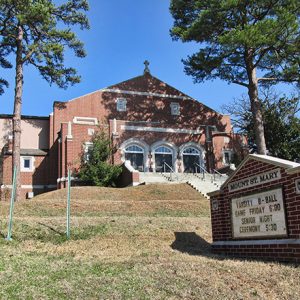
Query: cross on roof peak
[146, 70]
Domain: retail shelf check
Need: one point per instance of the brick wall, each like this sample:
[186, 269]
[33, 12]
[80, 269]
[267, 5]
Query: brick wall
[141, 110]
[41, 179]
[148, 104]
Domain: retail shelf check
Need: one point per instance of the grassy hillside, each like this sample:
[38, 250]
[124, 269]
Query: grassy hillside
[147, 242]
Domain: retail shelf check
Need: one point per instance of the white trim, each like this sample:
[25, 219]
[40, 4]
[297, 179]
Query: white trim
[230, 153]
[121, 104]
[29, 186]
[140, 143]
[289, 165]
[276, 161]
[257, 242]
[192, 145]
[85, 120]
[130, 167]
[170, 145]
[86, 147]
[175, 108]
[159, 129]
[69, 134]
[118, 91]
[31, 167]
[294, 170]
[134, 151]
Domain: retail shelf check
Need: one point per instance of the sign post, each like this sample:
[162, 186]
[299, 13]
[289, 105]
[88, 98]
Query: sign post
[69, 204]
[12, 201]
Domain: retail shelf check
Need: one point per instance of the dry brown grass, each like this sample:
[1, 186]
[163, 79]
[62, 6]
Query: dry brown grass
[130, 249]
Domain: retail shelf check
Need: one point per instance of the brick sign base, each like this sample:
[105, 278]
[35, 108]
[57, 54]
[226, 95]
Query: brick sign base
[256, 213]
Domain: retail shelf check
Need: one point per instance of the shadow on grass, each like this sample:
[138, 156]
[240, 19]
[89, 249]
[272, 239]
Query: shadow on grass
[52, 229]
[56, 236]
[190, 243]
[193, 244]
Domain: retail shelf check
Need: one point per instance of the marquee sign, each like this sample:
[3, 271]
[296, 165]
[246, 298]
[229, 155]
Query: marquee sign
[254, 180]
[259, 215]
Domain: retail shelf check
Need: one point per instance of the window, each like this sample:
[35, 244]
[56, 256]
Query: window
[135, 155]
[191, 151]
[134, 149]
[88, 147]
[163, 150]
[227, 157]
[91, 131]
[27, 163]
[175, 109]
[121, 104]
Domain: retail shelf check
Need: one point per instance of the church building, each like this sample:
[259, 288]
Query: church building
[155, 127]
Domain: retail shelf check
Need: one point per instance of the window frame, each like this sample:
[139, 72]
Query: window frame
[170, 152]
[175, 108]
[121, 104]
[31, 163]
[141, 150]
[87, 147]
[230, 153]
[196, 153]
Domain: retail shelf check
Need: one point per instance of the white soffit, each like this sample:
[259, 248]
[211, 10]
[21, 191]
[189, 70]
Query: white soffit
[292, 167]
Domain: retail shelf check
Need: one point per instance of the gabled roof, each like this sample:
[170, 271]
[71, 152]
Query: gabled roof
[147, 83]
[290, 166]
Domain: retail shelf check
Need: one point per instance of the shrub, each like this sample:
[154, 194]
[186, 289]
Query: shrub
[96, 168]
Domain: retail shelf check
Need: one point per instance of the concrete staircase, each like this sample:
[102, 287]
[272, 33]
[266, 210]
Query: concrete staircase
[150, 177]
[203, 184]
[207, 184]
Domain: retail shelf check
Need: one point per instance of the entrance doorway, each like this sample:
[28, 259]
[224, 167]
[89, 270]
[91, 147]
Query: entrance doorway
[163, 159]
[192, 160]
[135, 155]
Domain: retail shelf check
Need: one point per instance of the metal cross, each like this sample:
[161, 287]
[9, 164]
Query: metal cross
[146, 63]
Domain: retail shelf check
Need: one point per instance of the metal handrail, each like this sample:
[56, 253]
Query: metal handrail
[170, 168]
[201, 168]
[217, 172]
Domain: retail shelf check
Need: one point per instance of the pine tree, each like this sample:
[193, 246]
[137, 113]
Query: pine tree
[281, 122]
[243, 42]
[37, 33]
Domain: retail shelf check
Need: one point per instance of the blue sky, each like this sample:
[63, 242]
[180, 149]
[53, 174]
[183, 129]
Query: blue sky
[123, 34]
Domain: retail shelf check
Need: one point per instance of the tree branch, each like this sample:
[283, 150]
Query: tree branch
[267, 79]
[240, 83]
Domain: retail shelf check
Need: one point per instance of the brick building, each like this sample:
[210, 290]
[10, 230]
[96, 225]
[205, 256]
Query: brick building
[153, 125]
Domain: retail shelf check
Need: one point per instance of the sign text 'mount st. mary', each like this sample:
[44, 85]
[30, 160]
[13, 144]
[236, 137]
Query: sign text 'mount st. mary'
[259, 215]
[254, 180]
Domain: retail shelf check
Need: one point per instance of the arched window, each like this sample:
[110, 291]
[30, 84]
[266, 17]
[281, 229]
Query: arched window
[135, 154]
[192, 160]
[134, 149]
[191, 151]
[163, 150]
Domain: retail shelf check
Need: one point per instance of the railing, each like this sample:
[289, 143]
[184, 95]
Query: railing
[201, 169]
[165, 165]
[218, 173]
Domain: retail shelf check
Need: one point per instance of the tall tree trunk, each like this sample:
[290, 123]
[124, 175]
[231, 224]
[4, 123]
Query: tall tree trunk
[257, 115]
[255, 104]
[17, 110]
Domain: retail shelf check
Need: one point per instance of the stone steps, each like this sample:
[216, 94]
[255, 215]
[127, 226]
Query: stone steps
[203, 185]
